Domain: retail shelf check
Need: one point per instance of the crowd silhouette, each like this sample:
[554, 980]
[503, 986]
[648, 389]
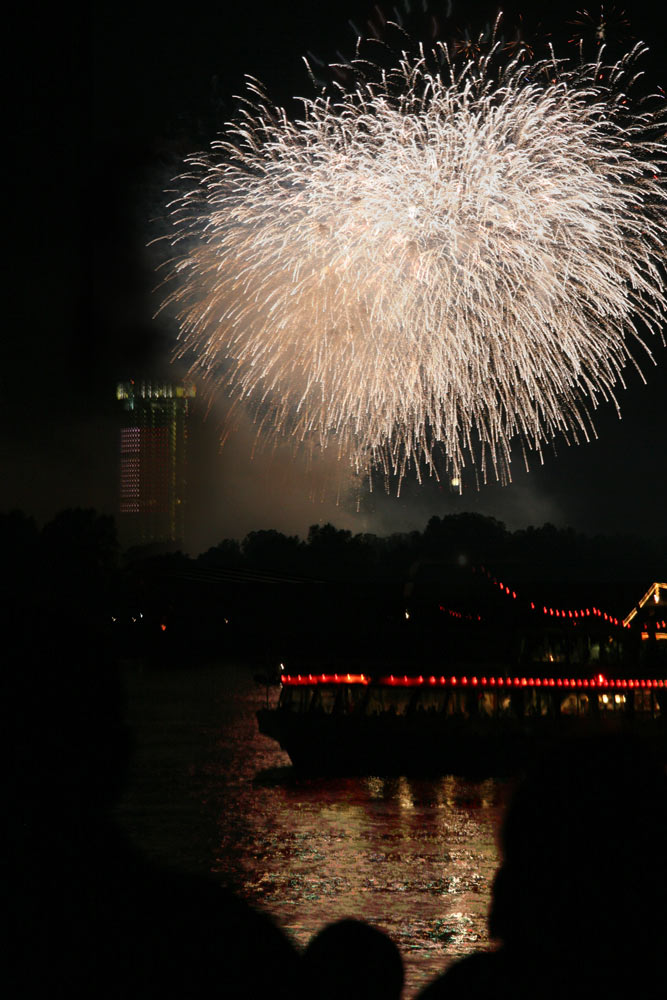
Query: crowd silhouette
[579, 905]
[91, 916]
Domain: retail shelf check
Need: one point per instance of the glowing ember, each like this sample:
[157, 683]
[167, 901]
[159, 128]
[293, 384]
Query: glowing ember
[439, 255]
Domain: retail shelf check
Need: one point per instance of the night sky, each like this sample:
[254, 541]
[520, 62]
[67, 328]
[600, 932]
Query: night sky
[102, 110]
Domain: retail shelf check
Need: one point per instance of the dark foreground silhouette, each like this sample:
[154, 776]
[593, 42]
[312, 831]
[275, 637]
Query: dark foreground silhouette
[350, 960]
[90, 915]
[579, 903]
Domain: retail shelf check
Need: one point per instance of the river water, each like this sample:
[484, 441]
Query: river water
[207, 793]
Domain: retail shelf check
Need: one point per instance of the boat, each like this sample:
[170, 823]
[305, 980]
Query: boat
[478, 726]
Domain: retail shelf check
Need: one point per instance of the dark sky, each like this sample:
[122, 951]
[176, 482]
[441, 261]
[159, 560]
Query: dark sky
[103, 107]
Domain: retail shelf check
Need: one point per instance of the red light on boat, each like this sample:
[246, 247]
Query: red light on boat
[559, 683]
[474, 680]
[524, 682]
[585, 683]
[501, 681]
[452, 680]
[552, 682]
[517, 682]
[508, 681]
[431, 680]
[442, 680]
[538, 682]
[545, 611]
[464, 680]
[492, 681]
[532, 604]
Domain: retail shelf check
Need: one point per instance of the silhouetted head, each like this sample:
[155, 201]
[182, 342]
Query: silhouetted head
[583, 878]
[351, 960]
[70, 743]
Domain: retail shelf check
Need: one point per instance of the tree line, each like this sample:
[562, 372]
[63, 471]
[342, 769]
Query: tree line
[330, 592]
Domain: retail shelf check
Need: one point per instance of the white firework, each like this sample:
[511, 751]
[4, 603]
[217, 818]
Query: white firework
[434, 256]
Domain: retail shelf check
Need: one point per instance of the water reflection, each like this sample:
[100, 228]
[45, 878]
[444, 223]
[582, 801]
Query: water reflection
[413, 856]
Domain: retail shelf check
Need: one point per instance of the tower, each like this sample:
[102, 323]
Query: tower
[153, 455]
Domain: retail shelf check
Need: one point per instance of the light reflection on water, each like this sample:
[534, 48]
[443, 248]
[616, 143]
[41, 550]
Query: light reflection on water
[207, 792]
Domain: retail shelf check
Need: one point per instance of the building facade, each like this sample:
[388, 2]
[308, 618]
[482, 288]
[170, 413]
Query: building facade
[153, 462]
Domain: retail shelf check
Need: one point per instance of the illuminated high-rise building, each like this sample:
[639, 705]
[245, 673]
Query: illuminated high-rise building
[153, 462]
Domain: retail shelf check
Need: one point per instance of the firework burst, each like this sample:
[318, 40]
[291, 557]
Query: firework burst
[440, 258]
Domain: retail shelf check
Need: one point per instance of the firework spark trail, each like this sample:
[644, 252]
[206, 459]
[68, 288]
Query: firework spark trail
[434, 255]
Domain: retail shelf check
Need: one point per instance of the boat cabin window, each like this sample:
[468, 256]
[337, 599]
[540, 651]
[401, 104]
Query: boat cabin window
[612, 701]
[575, 703]
[646, 702]
[643, 701]
[296, 699]
[393, 700]
[349, 698]
[537, 702]
[431, 700]
[487, 703]
[457, 703]
[504, 704]
[324, 699]
[374, 705]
